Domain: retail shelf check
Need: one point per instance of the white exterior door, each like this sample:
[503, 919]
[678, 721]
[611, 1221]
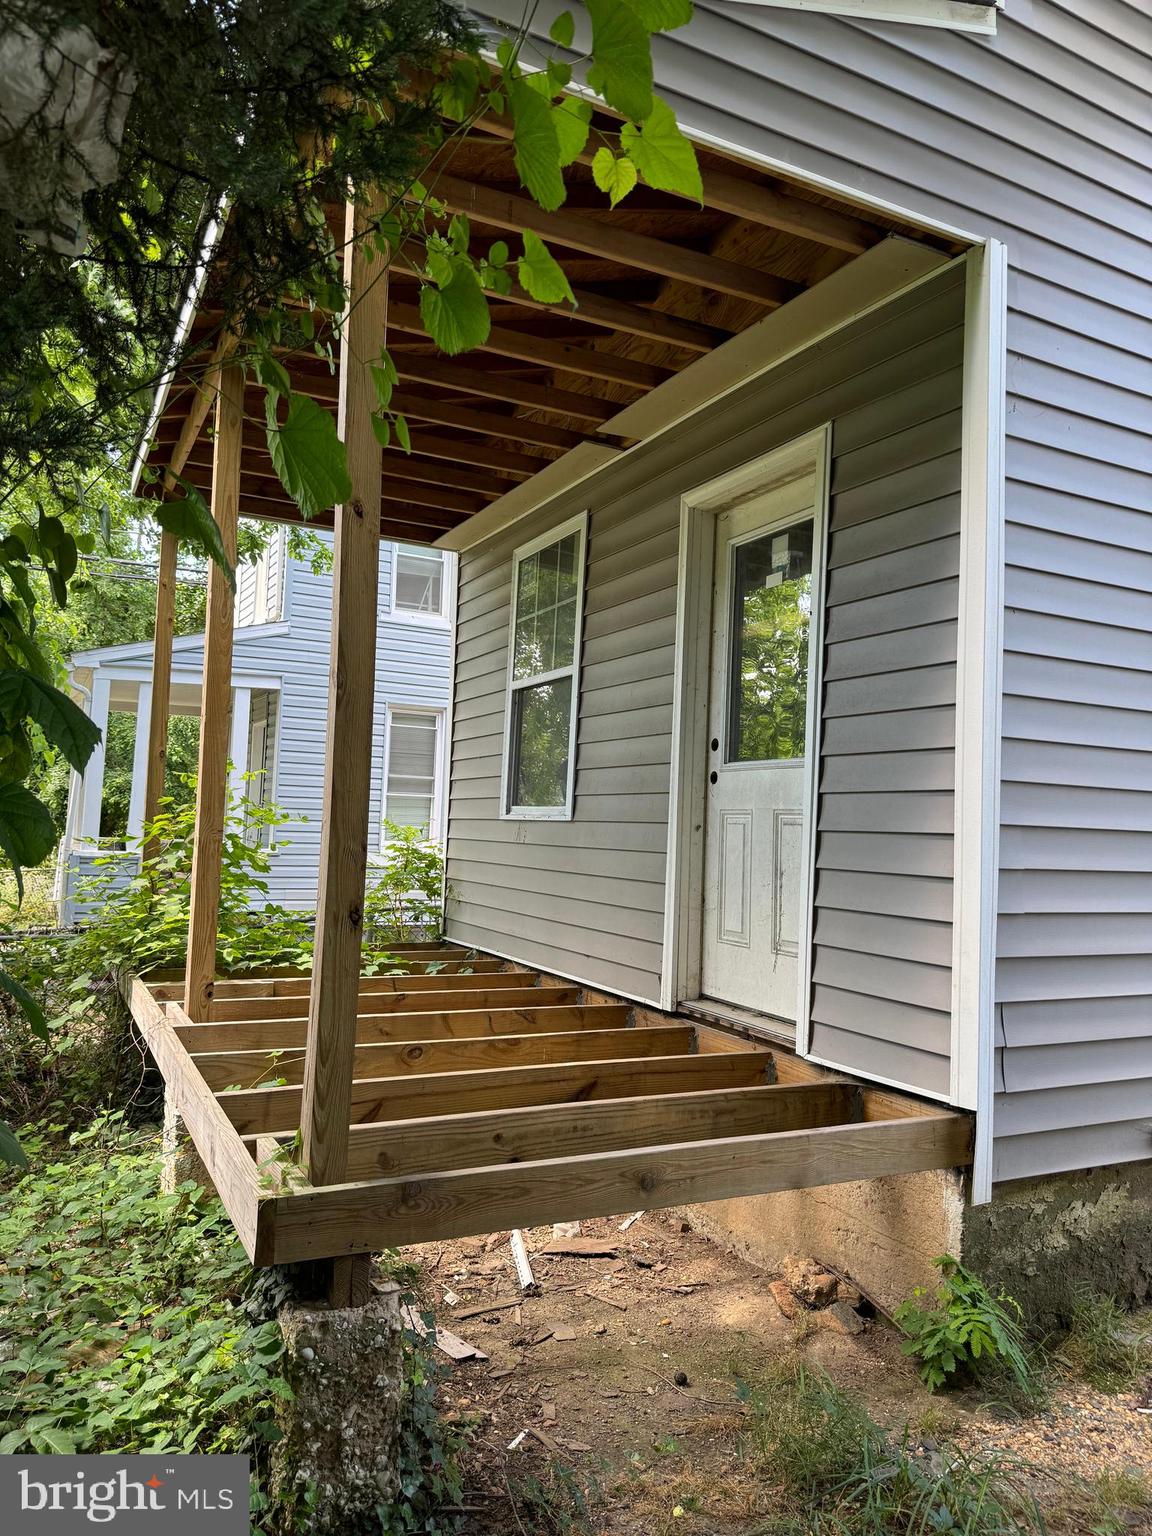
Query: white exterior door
[755, 839]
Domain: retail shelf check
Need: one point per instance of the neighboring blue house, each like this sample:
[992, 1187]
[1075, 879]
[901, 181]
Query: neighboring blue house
[279, 698]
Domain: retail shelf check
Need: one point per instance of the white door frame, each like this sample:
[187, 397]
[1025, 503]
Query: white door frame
[680, 977]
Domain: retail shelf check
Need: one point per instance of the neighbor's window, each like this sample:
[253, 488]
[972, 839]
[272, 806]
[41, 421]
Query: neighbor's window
[548, 593]
[411, 797]
[419, 584]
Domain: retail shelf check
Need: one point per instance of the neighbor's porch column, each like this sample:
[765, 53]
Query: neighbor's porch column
[333, 1004]
[92, 788]
[159, 694]
[238, 744]
[212, 774]
[140, 761]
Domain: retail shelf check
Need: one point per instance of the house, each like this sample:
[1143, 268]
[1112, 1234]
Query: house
[802, 672]
[276, 731]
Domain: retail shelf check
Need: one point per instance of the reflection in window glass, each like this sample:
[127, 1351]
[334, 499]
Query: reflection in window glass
[771, 614]
[542, 716]
[545, 643]
[418, 584]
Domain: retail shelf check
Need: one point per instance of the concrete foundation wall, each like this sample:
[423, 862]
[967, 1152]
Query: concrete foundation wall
[1046, 1240]
[882, 1233]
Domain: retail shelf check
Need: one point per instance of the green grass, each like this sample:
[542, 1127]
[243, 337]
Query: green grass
[1105, 1346]
[842, 1474]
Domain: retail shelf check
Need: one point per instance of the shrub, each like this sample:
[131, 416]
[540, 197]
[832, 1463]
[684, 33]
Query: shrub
[405, 900]
[967, 1331]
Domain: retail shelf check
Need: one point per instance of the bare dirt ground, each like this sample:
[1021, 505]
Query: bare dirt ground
[621, 1386]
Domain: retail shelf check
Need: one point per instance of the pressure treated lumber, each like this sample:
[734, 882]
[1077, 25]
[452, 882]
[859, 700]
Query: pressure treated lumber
[424, 407]
[567, 1130]
[259, 1110]
[348, 740]
[223, 1153]
[377, 1059]
[215, 700]
[360, 1217]
[452, 962]
[504, 210]
[475, 379]
[464, 1024]
[404, 999]
[565, 356]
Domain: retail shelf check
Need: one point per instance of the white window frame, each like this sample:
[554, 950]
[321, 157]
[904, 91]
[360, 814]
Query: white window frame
[441, 620]
[436, 820]
[956, 15]
[564, 812]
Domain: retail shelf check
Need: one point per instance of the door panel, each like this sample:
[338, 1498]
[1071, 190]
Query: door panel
[755, 842]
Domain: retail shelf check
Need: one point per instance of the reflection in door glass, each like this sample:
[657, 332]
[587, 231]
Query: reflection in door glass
[768, 659]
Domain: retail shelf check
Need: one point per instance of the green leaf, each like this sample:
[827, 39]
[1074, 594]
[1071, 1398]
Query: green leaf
[12, 1153]
[498, 253]
[384, 387]
[541, 275]
[563, 30]
[571, 118]
[621, 69]
[457, 94]
[663, 156]
[65, 725]
[662, 15]
[382, 430]
[27, 833]
[191, 521]
[537, 145]
[456, 315]
[403, 436]
[614, 175]
[308, 455]
[270, 373]
[57, 1442]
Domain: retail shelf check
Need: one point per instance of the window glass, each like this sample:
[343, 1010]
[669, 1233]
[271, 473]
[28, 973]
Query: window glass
[545, 645]
[542, 717]
[771, 614]
[411, 791]
[418, 581]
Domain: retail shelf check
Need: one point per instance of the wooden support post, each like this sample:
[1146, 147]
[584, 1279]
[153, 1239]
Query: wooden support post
[215, 700]
[328, 1069]
[161, 684]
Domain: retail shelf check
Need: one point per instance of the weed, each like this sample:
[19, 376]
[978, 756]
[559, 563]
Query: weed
[1104, 1346]
[842, 1474]
[1109, 1505]
[558, 1502]
[967, 1330]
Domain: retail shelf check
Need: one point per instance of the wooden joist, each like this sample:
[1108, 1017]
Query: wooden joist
[494, 992]
[354, 1217]
[460, 1024]
[491, 384]
[568, 1130]
[260, 1110]
[505, 210]
[424, 407]
[247, 1068]
[564, 356]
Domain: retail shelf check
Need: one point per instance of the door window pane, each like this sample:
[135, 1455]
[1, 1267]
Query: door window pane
[411, 792]
[541, 722]
[770, 618]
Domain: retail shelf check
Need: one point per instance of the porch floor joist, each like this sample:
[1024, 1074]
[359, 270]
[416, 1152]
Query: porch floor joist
[486, 1097]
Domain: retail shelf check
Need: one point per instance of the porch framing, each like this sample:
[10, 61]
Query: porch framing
[517, 1145]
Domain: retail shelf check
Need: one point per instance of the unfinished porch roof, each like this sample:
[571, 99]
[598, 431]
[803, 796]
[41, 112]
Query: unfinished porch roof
[660, 283]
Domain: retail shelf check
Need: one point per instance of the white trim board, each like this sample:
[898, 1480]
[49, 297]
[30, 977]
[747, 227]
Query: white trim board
[956, 15]
[978, 699]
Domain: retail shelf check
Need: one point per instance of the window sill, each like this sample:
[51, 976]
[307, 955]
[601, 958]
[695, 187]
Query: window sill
[420, 620]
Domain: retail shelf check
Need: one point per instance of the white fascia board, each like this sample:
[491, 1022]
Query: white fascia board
[956, 15]
[545, 485]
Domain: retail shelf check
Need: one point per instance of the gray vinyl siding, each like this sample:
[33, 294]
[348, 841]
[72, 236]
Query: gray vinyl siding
[1041, 137]
[586, 898]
